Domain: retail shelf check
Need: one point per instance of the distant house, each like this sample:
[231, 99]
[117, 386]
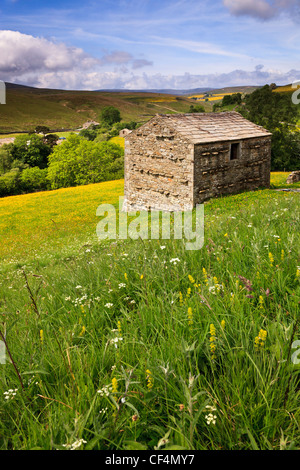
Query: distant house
[87, 124]
[176, 161]
[124, 132]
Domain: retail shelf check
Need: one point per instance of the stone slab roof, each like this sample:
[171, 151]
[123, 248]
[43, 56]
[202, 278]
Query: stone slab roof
[213, 127]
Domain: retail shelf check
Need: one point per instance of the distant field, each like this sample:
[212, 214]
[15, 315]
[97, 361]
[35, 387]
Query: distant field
[43, 222]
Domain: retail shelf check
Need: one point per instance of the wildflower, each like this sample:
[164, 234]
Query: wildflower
[149, 379]
[114, 384]
[188, 293]
[181, 407]
[122, 285]
[223, 324]
[190, 316]
[191, 279]
[180, 298]
[10, 394]
[261, 302]
[174, 261]
[115, 341]
[210, 418]
[205, 276]
[104, 410]
[212, 340]
[142, 276]
[82, 331]
[260, 340]
[78, 287]
[134, 418]
[109, 305]
[298, 272]
[282, 255]
[225, 234]
[162, 247]
[42, 336]
[75, 444]
[105, 391]
[271, 258]
[126, 277]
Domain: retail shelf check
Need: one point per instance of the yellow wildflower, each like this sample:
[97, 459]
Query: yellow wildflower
[260, 340]
[42, 336]
[271, 258]
[114, 383]
[126, 277]
[82, 331]
[261, 302]
[212, 340]
[149, 379]
[191, 279]
[223, 324]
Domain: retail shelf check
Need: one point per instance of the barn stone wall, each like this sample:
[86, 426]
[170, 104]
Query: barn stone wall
[158, 169]
[215, 174]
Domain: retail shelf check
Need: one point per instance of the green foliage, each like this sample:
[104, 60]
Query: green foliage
[276, 113]
[196, 109]
[78, 161]
[31, 149]
[34, 179]
[6, 158]
[10, 182]
[110, 115]
[42, 130]
[235, 98]
[90, 133]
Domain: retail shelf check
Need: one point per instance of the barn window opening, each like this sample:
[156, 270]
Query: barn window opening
[235, 151]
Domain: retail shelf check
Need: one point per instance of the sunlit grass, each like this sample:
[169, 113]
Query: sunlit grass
[133, 344]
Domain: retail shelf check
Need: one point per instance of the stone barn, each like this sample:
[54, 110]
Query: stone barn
[175, 161]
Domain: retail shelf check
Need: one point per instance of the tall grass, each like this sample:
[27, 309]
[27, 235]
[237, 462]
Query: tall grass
[145, 345]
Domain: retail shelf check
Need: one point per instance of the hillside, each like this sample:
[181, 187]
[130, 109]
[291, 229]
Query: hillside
[59, 109]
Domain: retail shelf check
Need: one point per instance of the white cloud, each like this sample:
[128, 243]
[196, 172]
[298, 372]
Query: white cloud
[98, 80]
[28, 59]
[23, 53]
[261, 9]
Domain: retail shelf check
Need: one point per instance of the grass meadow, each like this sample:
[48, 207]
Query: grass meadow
[142, 344]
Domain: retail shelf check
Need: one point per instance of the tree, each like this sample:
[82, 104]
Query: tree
[34, 179]
[31, 150]
[79, 161]
[110, 115]
[276, 113]
[196, 109]
[42, 130]
[235, 98]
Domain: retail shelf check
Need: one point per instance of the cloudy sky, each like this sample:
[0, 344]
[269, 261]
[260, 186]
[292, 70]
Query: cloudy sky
[146, 44]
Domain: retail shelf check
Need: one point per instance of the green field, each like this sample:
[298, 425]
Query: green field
[124, 344]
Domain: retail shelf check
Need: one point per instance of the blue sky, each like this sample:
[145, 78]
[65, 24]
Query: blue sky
[149, 44]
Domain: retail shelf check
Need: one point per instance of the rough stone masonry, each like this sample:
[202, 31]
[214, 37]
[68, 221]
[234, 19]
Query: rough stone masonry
[175, 161]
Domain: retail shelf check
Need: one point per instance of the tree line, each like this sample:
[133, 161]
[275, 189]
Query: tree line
[35, 162]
